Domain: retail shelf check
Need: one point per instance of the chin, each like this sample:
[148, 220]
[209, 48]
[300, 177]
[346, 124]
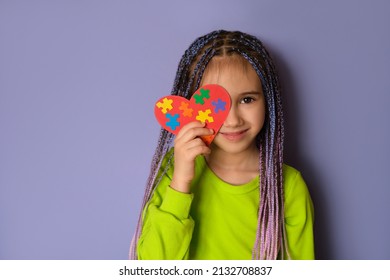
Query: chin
[232, 147]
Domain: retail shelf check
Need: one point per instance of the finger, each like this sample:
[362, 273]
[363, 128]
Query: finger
[196, 150]
[183, 149]
[189, 150]
[192, 133]
[190, 126]
[194, 143]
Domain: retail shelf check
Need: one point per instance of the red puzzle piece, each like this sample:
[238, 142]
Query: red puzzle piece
[209, 104]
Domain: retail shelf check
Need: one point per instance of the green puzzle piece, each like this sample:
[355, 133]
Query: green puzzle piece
[204, 93]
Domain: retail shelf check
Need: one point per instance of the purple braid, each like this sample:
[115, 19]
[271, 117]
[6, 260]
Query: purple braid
[271, 241]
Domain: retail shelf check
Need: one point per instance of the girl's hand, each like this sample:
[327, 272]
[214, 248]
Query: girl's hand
[187, 147]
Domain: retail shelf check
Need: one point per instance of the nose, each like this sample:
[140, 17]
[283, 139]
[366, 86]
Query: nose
[233, 119]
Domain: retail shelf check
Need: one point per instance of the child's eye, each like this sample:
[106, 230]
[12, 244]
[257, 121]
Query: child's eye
[247, 100]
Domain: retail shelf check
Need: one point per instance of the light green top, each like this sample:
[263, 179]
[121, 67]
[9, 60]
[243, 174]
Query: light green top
[218, 220]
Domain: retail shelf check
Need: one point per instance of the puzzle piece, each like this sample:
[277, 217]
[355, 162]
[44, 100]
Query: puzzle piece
[172, 123]
[207, 138]
[219, 105]
[187, 112]
[165, 106]
[203, 116]
[204, 93]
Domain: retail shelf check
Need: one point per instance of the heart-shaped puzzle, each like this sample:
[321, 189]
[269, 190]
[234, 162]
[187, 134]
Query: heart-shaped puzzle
[210, 104]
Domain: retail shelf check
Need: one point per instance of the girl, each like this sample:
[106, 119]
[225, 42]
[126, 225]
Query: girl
[235, 199]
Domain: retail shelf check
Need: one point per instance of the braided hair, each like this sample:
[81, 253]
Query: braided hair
[271, 242]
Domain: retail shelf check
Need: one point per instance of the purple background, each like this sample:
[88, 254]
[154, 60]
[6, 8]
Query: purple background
[78, 81]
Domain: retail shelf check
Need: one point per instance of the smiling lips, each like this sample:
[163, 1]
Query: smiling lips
[235, 135]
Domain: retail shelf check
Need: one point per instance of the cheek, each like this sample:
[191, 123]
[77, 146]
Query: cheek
[261, 121]
[259, 116]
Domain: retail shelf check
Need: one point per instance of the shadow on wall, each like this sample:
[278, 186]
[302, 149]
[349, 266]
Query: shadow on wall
[294, 156]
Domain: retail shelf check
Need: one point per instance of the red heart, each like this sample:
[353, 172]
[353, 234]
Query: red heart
[210, 104]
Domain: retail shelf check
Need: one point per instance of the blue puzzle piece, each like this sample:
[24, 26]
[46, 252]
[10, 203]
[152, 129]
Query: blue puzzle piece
[219, 105]
[172, 123]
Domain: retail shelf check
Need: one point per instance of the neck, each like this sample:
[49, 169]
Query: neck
[234, 168]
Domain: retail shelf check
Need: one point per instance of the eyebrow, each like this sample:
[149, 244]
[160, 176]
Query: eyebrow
[250, 93]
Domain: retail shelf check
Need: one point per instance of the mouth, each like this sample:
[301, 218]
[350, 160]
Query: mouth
[233, 135]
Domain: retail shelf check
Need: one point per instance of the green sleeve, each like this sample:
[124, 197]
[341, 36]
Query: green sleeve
[167, 227]
[299, 217]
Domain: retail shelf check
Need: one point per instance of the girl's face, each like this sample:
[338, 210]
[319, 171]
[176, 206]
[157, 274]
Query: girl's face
[247, 113]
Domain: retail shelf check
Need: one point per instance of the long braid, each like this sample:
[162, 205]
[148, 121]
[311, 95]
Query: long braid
[273, 221]
[271, 233]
